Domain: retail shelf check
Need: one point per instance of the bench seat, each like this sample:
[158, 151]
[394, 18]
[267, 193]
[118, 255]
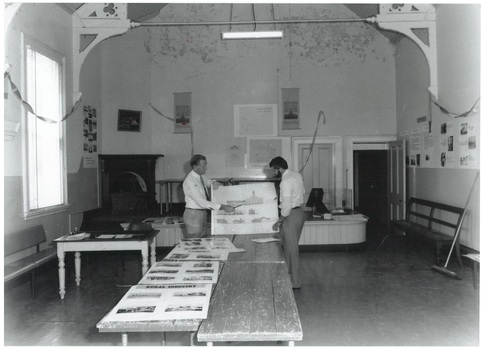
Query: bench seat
[433, 221]
[22, 266]
[25, 239]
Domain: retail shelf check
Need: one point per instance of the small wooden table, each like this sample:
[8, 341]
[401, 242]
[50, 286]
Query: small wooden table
[142, 241]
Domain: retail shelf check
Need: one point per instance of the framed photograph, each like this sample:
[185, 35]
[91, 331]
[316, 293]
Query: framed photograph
[129, 120]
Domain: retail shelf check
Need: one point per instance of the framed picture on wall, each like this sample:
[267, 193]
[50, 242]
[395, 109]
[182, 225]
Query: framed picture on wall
[129, 120]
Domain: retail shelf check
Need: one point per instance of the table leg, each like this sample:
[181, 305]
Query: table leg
[144, 258]
[62, 271]
[77, 263]
[192, 336]
[124, 339]
[153, 252]
[209, 343]
[290, 343]
[163, 338]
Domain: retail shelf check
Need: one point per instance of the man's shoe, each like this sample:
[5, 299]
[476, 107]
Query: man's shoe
[296, 288]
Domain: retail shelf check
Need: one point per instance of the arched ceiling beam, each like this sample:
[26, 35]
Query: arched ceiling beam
[93, 23]
[412, 20]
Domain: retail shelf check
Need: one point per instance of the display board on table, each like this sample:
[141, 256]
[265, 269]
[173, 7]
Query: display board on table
[255, 209]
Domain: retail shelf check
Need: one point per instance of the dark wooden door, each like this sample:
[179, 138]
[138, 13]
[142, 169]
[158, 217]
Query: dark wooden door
[371, 185]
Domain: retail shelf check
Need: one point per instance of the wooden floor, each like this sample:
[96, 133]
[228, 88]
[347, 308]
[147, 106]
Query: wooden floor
[384, 295]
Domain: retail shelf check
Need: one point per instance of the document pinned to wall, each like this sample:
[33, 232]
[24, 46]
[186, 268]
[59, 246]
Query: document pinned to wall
[255, 120]
[255, 212]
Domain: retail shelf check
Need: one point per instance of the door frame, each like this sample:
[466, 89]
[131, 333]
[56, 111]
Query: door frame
[337, 143]
[353, 143]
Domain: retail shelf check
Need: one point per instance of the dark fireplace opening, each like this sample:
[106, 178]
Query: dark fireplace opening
[128, 184]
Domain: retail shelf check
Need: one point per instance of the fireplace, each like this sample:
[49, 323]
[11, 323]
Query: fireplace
[128, 183]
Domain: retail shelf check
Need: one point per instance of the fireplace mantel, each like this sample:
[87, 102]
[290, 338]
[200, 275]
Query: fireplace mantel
[115, 171]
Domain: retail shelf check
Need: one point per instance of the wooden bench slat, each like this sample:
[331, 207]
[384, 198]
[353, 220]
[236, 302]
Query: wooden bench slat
[36, 259]
[25, 239]
[12, 272]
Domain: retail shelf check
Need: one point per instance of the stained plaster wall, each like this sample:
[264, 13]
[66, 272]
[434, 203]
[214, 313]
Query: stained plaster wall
[458, 57]
[344, 69]
[51, 26]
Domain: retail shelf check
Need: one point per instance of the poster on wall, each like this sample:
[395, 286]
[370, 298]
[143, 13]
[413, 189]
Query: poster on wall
[260, 151]
[447, 157]
[468, 143]
[415, 147]
[89, 130]
[290, 108]
[234, 155]
[427, 158]
[183, 112]
[255, 120]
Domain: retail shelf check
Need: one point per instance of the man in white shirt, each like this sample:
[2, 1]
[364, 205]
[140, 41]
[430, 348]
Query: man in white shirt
[197, 199]
[291, 220]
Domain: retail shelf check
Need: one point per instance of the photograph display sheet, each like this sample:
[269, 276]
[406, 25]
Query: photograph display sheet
[162, 302]
[206, 245]
[178, 254]
[255, 212]
[170, 272]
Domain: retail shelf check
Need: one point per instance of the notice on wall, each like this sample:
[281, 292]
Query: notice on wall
[452, 143]
[255, 120]
[89, 126]
[447, 157]
[255, 209]
[468, 143]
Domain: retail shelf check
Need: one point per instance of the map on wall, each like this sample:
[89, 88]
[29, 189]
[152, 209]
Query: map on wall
[255, 212]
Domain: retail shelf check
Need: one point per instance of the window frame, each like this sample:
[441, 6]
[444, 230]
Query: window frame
[52, 54]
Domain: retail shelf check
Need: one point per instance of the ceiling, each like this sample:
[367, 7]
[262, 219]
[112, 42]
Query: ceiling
[140, 12]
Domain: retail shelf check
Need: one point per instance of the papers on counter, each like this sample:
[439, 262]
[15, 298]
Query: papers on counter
[265, 240]
[78, 236]
[120, 236]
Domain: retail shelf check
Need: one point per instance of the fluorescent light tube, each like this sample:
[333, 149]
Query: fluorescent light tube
[276, 34]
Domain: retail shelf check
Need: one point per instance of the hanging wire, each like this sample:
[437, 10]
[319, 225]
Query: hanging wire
[231, 11]
[273, 17]
[253, 16]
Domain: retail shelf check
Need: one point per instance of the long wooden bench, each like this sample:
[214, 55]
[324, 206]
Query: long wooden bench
[432, 221]
[19, 241]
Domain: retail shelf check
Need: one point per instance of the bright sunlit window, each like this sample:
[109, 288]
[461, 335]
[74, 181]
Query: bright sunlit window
[45, 185]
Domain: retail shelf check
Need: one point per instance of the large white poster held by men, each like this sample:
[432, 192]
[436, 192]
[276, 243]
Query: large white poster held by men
[255, 209]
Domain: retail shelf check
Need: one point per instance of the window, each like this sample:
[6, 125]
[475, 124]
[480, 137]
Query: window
[45, 179]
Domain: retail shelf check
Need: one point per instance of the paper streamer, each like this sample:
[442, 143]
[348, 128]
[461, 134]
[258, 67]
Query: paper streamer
[29, 108]
[321, 113]
[445, 111]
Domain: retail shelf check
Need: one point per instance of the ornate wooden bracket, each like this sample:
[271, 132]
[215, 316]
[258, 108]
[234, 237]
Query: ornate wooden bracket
[91, 24]
[416, 21]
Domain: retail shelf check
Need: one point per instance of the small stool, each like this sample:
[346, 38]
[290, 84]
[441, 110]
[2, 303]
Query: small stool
[475, 258]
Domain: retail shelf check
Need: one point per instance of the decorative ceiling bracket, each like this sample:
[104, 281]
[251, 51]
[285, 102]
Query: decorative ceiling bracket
[416, 21]
[91, 24]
